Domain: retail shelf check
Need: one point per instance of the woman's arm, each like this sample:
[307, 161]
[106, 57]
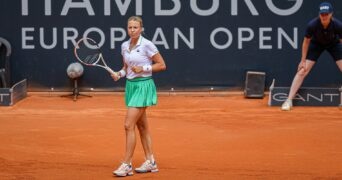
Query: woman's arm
[159, 63]
[121, 73]
[305, 48]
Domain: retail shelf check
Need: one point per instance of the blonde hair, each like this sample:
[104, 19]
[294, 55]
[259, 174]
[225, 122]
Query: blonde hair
[136, 18]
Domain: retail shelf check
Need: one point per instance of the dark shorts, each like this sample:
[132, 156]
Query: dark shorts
[315, 50]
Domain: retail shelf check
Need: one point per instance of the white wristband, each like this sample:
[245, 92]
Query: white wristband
[122, 73]
[147, 68]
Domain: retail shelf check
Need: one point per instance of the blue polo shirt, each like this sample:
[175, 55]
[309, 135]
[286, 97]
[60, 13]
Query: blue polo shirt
[322, 36]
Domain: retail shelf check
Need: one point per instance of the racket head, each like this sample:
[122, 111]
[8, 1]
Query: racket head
[87, 51]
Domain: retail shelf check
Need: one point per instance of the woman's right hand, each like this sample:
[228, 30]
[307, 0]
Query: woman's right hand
[115, 76]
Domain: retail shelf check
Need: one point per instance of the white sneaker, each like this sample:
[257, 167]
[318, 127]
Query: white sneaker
[287, 105]
[147, 166]
[124, 170]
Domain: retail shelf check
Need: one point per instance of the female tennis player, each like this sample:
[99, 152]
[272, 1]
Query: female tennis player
[140, 58]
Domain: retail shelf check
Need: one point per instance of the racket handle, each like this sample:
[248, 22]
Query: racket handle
[111, 71]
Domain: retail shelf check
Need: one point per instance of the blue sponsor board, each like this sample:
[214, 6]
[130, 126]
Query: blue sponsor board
[307, 96]
[205, 43]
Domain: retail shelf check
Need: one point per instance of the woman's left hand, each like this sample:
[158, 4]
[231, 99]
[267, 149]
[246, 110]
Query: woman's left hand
[137, 69]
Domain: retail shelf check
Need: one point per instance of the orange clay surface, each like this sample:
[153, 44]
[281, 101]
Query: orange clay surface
[194, 137]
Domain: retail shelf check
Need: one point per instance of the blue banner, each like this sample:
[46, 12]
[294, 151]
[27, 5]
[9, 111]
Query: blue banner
[205, 43]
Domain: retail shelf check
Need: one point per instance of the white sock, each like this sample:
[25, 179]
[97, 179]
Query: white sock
[151, 159]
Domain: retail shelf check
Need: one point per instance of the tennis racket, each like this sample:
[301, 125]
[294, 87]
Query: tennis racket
[88, 52]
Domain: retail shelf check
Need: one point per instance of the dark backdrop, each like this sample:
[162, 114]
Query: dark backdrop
[190, 65]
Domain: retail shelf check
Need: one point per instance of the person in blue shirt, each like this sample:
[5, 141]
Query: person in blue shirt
[322, 33]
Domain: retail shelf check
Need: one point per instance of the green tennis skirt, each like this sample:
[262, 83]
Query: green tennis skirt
[140, 92]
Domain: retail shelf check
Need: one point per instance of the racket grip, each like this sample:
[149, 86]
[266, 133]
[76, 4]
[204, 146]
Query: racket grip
[111, 71]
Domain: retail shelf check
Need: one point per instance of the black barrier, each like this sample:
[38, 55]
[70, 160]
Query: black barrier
[3, 83]
[205, 43]
[5, 53]
[254, 84]
[10, 96]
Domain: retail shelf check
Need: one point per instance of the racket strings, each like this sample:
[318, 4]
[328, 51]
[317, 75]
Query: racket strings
[88, 54]
[91, 59]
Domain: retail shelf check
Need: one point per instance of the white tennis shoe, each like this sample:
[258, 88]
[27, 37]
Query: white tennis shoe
[287, 105]
[124, 170]
[147, 166]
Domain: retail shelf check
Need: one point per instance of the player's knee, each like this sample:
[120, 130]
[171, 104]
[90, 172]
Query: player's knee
[129, 126]
[302, 73]
[141, 127]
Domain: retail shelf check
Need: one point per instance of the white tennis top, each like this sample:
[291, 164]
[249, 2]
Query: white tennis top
[140, 55]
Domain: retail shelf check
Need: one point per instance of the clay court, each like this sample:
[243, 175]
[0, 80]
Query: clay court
[195, 136]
